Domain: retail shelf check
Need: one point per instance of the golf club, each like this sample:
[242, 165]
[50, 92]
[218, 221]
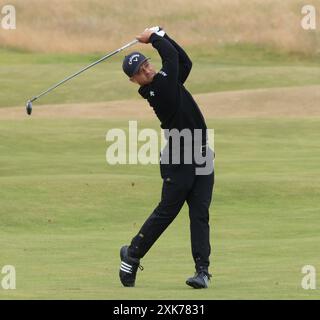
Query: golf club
[30, 101]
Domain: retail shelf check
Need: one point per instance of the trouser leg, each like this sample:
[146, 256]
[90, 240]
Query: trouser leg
[199, 200]
[174, 194]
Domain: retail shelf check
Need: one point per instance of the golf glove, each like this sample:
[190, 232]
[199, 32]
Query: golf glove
[158, 30]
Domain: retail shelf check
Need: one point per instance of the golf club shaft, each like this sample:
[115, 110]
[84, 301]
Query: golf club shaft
[84, 69]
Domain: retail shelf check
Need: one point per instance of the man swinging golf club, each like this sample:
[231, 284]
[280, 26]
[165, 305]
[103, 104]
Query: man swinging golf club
[177, 111]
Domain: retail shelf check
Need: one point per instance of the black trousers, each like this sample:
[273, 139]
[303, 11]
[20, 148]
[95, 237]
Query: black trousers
[180, 184]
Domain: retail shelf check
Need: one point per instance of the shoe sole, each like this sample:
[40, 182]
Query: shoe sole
[195, 285]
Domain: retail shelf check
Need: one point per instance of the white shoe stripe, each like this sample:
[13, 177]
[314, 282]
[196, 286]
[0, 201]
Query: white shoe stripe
[124, 267]
[125, 264]
[124, 270]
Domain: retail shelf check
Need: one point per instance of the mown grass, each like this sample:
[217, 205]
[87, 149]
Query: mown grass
[65, 212]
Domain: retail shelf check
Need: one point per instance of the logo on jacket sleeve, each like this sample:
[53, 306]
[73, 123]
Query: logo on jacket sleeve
[163, 73]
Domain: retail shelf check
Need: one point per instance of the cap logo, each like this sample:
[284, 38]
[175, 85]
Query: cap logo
[134, 58]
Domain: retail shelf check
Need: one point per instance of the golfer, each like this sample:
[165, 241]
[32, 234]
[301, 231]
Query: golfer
[177, 112]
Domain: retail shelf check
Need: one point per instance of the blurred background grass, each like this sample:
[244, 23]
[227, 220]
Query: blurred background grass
[233, 67]
[95, 26]
[235, 45]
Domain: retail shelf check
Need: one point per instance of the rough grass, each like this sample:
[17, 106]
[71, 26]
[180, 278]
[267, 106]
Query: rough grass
[97, 25]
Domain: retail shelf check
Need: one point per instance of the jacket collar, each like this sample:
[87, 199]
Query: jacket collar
[144, 91]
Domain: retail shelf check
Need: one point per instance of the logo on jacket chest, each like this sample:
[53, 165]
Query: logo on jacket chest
[152, 94]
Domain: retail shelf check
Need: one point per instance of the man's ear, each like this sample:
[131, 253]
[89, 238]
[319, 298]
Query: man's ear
[133, 80]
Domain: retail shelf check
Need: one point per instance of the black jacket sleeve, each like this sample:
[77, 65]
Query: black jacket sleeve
[169, 73]
[185, 64]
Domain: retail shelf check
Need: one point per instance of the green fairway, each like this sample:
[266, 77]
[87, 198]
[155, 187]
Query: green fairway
[65, 212]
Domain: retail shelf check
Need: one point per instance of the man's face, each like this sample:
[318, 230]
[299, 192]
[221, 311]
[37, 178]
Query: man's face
[144, 75]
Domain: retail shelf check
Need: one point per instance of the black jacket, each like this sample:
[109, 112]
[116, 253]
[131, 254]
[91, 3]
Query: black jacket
[166, 94]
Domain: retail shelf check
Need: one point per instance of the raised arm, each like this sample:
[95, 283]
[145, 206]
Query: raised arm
[185, 64]
[169, 56]
[169, 73]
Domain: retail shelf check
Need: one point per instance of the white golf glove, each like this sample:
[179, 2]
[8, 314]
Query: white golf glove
[158, 30]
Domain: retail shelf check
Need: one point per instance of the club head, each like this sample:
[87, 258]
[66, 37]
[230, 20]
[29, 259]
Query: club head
[29, 107]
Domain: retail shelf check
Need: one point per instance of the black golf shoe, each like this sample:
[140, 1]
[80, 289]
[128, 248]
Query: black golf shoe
[200, 280]
[128, 268]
